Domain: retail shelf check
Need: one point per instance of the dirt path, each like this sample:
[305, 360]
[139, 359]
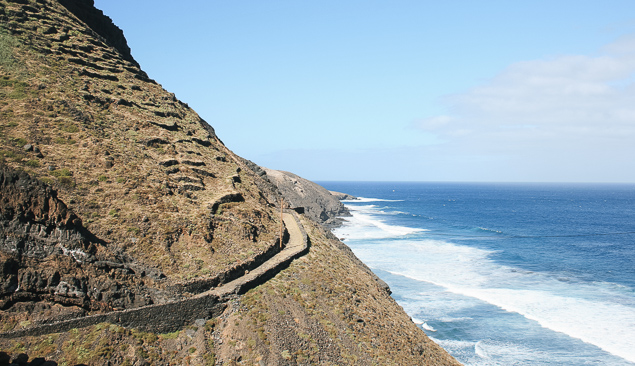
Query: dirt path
[172, 316]
[296, 245]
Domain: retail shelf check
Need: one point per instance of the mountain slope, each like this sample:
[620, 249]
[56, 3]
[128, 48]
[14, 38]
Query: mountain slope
[116, 195]
[314, 200]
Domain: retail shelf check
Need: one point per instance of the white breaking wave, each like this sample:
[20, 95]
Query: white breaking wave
[490, 353]
[425, 326]
[609, 326]
[555, 305]
[363, 224]
[367, 199]
[565, 307]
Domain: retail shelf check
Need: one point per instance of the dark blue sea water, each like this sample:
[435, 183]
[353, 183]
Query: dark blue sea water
[505, 274]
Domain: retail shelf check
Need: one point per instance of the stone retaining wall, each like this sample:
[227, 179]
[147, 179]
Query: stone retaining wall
[172, 316]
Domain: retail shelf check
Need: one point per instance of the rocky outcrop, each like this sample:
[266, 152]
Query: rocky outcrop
[35, 223]
[343, 196]
[96, 20]
[48, 255]
[171, 316]
[316, 202]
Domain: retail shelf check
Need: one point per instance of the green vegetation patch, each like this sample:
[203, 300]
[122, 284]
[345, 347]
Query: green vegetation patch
[33, 163]
[70, 128]
[64, 172]
[19, 142]
[13, 89]
[10, 154]
[173, 335]
[7, 44]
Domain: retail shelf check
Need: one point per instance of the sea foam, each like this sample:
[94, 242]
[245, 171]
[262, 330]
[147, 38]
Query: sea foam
[364, 225]
[567, 307]
[553, 304]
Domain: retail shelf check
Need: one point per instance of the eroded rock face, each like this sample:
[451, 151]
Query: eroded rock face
[46, 254]
[35, 223]
[317, 202]
[85, 10]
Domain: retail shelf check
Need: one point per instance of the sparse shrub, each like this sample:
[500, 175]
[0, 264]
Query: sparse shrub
[25, 324]
[102, 178]
[69, 128]
[210, 324]
[33, 163]
[18, 347]
[210, 359]
[149, 337]
[8, 154]
[142, 353]
[19, 92]
[286, 355]
[6, 50]
[173, 335]
[105, 352]
[18, 88]
[18, 141]
[261, 334]
[64, 172]
[67, 182]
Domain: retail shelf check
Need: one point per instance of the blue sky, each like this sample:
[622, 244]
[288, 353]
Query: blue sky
[403, 90]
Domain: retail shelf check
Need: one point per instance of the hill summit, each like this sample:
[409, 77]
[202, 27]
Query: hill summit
[130, 234]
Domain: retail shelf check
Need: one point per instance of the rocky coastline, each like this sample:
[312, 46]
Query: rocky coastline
[310, 198]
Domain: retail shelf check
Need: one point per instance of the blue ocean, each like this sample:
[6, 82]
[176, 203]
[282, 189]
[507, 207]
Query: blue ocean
[505, 274]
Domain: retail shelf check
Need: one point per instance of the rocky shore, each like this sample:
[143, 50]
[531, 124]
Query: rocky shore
[342, 196]
[312, 199]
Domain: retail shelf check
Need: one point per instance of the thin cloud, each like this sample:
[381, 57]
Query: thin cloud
[571, 102]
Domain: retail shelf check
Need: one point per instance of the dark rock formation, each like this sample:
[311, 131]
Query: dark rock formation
[46, 254]
[95, 19]
[35, 223]
[343, 196]
[318, 203]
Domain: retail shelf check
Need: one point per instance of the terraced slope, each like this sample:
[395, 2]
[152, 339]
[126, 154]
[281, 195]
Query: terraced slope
[143, 173]
[114, 195]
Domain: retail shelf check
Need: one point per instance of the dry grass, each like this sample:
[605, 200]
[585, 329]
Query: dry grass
[104, 131]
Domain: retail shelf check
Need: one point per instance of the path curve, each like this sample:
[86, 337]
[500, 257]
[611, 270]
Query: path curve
[171, 316]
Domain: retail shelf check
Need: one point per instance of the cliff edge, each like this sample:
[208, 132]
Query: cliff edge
[314, 200]
[116, 198]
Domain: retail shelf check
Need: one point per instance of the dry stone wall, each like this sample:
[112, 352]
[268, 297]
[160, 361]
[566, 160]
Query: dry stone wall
[172, 316]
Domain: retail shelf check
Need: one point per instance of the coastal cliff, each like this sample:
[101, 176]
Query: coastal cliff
[123, 216]
[314, 200]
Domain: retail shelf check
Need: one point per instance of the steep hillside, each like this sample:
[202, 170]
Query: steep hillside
[316, 202]
[119, 205]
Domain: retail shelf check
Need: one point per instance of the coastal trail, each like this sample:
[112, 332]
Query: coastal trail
[296, 246]
[171, 316]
